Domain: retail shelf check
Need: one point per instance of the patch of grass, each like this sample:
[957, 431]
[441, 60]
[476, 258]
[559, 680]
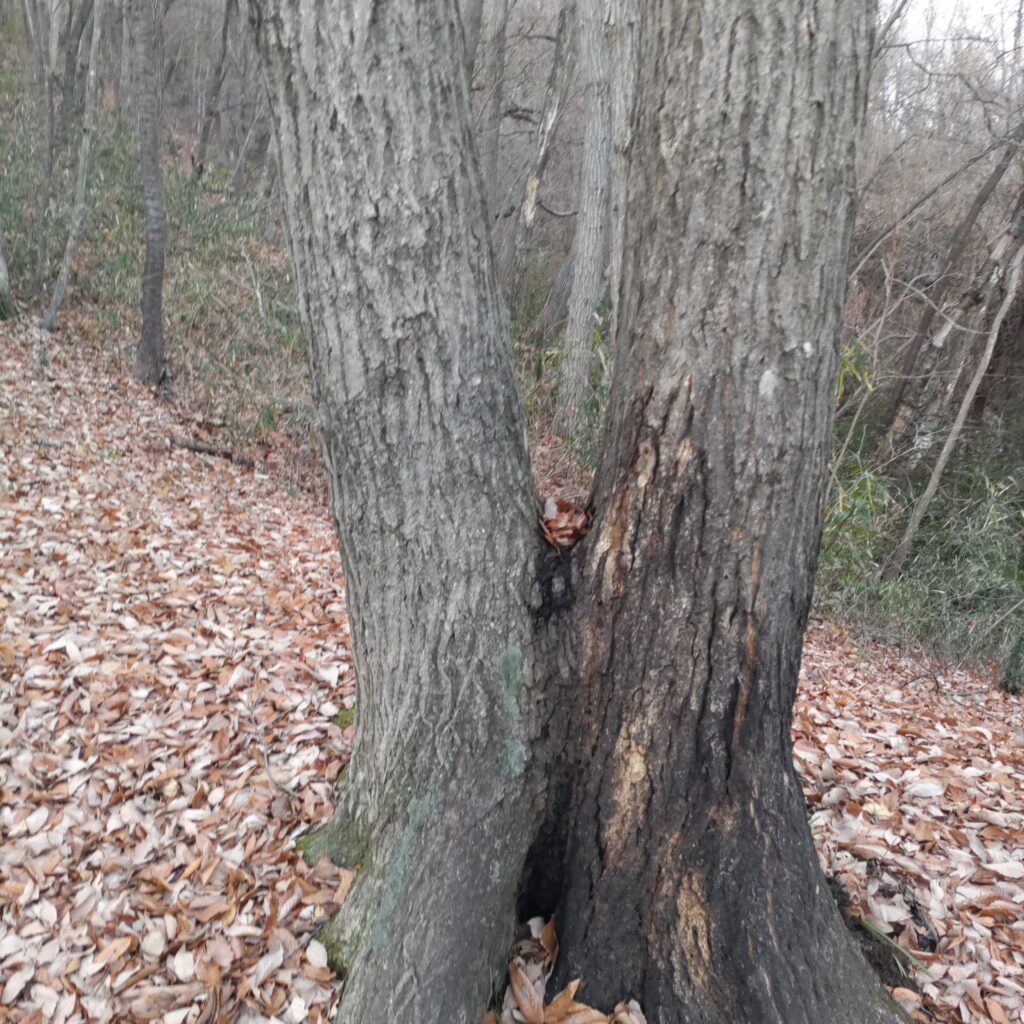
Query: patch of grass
[345, 717]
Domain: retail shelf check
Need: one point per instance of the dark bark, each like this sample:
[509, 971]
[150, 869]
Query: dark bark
[210, 110]
[425, 449]
[670, 639]
[149, 355]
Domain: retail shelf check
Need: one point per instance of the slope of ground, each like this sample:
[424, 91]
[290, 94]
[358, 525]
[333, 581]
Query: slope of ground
[173, 671]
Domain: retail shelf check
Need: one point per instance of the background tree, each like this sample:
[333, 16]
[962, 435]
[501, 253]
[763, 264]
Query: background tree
[149, 355]
[641, 690]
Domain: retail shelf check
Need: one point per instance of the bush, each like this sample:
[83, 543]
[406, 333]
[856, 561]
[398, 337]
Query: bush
[1012, 679]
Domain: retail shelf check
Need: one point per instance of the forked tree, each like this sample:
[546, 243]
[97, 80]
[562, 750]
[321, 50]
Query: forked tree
[603, 733]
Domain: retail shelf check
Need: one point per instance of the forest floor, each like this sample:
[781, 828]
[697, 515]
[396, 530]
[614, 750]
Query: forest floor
[175, 687]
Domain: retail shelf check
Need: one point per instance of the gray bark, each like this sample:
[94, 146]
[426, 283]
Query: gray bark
[149, 354]
[472, 13]
[425, 449]
[670, 638]
[591, 221]
[493, 105]
[72, 45]
[78, 207]
[44, 82]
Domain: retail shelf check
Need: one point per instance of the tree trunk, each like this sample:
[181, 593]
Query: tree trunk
[692, 880]
[424, 440]
[512, 241]
[623, 24]
[72, 45]
[472, 13]
[6, 300]
[670, 638]
[44, 81]
[493, 105]
[213, 96]
[591, 221]
[149, 355]
[78, 209]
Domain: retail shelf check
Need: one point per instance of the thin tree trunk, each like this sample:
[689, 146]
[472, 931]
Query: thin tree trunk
[46, 116]
[238, 175]
[512, 243]
[72, 46]
[149, 355]
[213, 96]
[623, 25]
[472, 13]
[591, 221]
[899, 556]
[670, 638]
[126, 80]
[493, 106]
[6, 300]
[78, 209]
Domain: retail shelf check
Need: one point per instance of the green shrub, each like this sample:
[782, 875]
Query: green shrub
[1012, 679]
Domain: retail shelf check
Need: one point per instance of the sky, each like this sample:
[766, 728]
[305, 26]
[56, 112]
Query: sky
[977, 16]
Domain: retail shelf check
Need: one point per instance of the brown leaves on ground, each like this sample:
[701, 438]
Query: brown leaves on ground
[564, 524]
[916, 777]
[172, 634]
[173, 651]
[533, 960]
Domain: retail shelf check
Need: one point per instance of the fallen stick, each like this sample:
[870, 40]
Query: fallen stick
[210, 449]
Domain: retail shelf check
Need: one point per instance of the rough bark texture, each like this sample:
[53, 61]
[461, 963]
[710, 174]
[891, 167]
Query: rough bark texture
[623, 28]
[692, 880]
[72, 45]
[472, 13]
[149, 355]
[78, 207]
[591, 221]
[6, 302]
[425, 450]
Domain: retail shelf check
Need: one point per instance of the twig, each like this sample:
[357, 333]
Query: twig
[210, 449]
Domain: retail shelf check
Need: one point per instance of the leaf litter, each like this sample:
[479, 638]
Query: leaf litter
[173, 656]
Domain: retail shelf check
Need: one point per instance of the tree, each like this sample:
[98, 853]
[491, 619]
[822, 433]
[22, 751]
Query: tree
[78, 208]
[592, 220]
[213, 96]
[605, 732]
[149, 355]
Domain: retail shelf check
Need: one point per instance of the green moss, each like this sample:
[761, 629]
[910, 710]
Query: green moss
[345, 717]
[341, 948]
